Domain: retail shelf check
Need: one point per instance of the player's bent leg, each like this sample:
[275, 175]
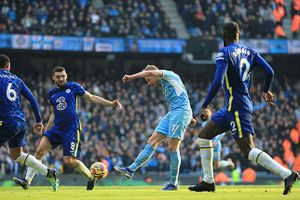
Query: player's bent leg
[209, 131]
[143, 156]
[175, 162]
[43, 148]
[263, 159]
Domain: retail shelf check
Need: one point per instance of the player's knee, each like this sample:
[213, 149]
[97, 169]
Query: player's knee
[172, 148]
[39, 153]
[68, 161]
[152, 142]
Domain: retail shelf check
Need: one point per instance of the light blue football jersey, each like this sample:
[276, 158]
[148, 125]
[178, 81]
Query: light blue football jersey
[174, 91]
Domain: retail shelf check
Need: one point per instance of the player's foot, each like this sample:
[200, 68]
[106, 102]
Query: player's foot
[230, 163]
[22, 182]
[124, 171]
[90, 184]
[289, 181]
[203, 187]
[52, 176]
[170, 186]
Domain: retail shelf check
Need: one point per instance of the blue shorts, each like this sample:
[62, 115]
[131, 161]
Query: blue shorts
[175, 123]
[70, 140]
[13, 130]
[239, 123]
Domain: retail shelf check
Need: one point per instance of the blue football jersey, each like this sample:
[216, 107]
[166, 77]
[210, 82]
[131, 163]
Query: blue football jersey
[235, 64]
[64, 103]
[174, 90]
[11, 89]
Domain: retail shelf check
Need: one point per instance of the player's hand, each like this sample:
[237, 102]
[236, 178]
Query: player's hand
[38, 128]
[269, 98]
[193, 122]
[205, 112]
[116, 104]
[127, 78]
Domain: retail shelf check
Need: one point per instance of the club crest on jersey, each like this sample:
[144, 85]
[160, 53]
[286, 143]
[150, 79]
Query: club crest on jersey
[62, 104]
[68, 91]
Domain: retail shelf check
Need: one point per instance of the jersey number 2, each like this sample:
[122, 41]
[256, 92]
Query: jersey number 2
[11, 94]
[244, 62]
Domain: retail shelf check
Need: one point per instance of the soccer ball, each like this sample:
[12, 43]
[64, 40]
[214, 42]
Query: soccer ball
[98, 170]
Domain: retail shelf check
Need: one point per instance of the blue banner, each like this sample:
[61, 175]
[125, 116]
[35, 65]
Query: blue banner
[160, 46]
[278, 46]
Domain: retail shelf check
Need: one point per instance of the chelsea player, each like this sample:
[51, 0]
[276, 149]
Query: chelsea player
[235, 63]
[172, 126]
[217, 147]
[12, 119]
[64, 126]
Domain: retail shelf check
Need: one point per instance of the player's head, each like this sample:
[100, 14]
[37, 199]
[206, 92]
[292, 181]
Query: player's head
[230, 32]
[152, 80]
[4, 62]
[59, 76]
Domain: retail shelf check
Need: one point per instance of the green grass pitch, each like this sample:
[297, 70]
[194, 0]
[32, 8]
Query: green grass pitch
[147, 193]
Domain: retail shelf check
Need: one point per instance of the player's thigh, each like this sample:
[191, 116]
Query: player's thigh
[162, 127]
[173, 144]
[71, 142]
[13, 131]
[156, 138]
[43, 147]
[178, 123]
[210, 130]
[216, 125]
[241, 124]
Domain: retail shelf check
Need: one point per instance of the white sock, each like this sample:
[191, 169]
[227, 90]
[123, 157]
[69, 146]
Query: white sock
[206, 152]
[224, 163]
[30, 174]
[267, 162]
[31, 161]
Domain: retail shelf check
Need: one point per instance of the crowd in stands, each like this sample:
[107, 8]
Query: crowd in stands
[146, 18]
[257, 18]
[99, 18]
[117, 136]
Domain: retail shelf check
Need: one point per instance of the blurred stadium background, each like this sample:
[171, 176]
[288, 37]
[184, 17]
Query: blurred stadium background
[98, 41]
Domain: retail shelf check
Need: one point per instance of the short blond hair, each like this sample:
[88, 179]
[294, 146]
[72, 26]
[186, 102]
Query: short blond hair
[151, 67]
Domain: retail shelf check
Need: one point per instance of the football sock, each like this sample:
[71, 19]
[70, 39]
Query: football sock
[224, 163]
[142, 158]
[206, 153]
[175, 161]
[32, 162]
[82, 169]
[267, 162]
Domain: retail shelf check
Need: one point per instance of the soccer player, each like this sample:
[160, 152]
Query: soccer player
[217, 147]
[64, 126]
[235, 63]
[172, 126]
[12, 119]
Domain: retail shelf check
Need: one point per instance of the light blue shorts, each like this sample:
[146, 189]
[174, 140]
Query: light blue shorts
[175, 123]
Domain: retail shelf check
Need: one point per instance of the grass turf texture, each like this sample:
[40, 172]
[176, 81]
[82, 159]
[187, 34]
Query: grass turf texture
[147, 193]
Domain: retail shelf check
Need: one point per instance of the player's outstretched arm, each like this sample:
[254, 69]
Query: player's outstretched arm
[143, 74]
[101, 101]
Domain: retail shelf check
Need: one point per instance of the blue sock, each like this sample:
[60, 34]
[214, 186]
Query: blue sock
[175, 161]
[142, 158]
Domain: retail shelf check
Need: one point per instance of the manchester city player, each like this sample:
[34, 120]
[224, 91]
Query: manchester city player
[235, 63]
[172, 126]
[64, 127]
[12, 119]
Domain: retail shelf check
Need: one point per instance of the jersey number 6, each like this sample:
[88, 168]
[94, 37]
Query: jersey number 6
[11, 94]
